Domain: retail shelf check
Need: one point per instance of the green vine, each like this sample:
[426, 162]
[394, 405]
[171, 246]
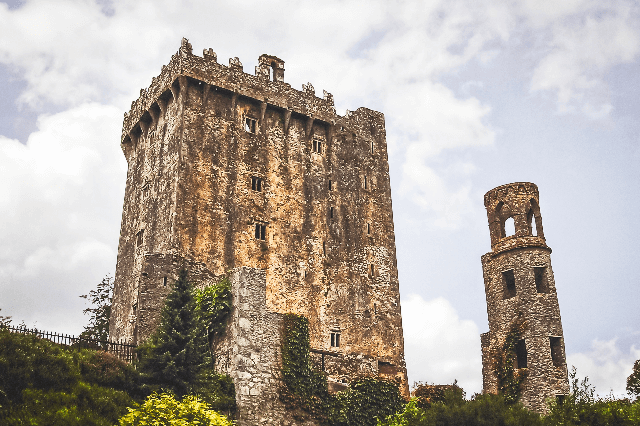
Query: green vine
[213, 304]
[509, 377]
[305, 394]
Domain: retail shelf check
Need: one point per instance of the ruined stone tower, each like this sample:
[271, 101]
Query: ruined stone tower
[518, 279]
[229, 171]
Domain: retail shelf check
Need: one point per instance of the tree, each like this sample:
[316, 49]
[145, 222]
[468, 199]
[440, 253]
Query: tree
[100, 298]
[633, 381]
[4, 321]
[176, 355]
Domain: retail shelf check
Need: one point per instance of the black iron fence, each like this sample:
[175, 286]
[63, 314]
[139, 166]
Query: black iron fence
[123, 351]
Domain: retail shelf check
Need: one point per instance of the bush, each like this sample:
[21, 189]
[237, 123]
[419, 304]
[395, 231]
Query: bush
[165, 410]
[42, 383]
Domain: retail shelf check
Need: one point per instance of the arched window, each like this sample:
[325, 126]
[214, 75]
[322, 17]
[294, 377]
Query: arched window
[509, 227]
[531, 224]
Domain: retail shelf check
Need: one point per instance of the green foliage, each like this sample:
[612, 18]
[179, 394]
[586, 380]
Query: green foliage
[509, 377]
[100, 298]
[213, 305]
[166, 410]
[426, 394]
[481, 410]
[177, 358]
[4, 321]
[368, 400]
[580, 407]
[305, 389]
[45, 383]
[173, 357]
[633, 381]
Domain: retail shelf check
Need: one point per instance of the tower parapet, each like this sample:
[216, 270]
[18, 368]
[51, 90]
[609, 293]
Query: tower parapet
[519, 285]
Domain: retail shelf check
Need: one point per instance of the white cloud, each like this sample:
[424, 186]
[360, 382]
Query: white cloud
[582, 47]
[440, 347]
[60, 199]
[606, 366]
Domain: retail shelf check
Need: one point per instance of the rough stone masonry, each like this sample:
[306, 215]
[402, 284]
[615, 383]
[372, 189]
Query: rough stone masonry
[518, 279]
[236, 173]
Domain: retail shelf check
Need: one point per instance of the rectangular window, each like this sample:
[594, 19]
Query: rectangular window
[331, 212]
[317, 146]
[365, 182]
[261, 231]
[250, 124]
[324, 248]
[139, 238]
[335, 339]
[368, 229]
[256, 184]
[509, 280]
[164, 281]
[521, 354]
[372, 147]
[556, 351]
[372, 270]
[542, 285]
[330, 185]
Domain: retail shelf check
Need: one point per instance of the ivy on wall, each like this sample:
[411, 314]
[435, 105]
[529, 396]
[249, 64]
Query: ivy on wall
[213, 304]
[509, 377]
[305, 394]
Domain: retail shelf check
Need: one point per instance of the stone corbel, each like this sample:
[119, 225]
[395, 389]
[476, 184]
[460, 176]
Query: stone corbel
[287, 119]
[234, 102]
[206, 88]
[309, 128]
[263, 110]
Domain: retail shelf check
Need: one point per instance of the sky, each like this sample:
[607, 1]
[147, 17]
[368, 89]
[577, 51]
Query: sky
[476, 94]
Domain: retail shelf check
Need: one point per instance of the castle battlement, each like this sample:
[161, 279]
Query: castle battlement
[267, 85]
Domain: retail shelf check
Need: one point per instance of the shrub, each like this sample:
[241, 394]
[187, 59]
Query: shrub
[165, 410]
[42, 383]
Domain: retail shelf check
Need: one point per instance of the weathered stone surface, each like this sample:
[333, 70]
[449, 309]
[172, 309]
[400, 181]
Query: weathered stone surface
[195, 142]
[526, 255]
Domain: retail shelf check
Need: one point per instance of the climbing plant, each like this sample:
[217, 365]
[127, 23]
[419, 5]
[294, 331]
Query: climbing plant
[213, 304]
[305, 392]
[509, 377]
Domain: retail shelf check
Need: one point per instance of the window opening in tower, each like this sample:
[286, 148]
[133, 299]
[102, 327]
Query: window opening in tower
[256, 183]
[521, 354]
[540, 274]
[250, 124]
[261, 231]
[509, 280]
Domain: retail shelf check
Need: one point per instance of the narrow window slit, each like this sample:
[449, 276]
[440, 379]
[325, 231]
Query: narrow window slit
[261, 231]
[256, 183]
[521, 354]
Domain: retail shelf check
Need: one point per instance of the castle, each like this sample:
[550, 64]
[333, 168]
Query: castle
[239, 174]
[519, 286]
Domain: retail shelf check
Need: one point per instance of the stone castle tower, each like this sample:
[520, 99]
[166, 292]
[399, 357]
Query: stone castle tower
[229, 171]
[518, 279]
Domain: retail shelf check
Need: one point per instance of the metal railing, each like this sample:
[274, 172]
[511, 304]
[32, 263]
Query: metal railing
[123, 351]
